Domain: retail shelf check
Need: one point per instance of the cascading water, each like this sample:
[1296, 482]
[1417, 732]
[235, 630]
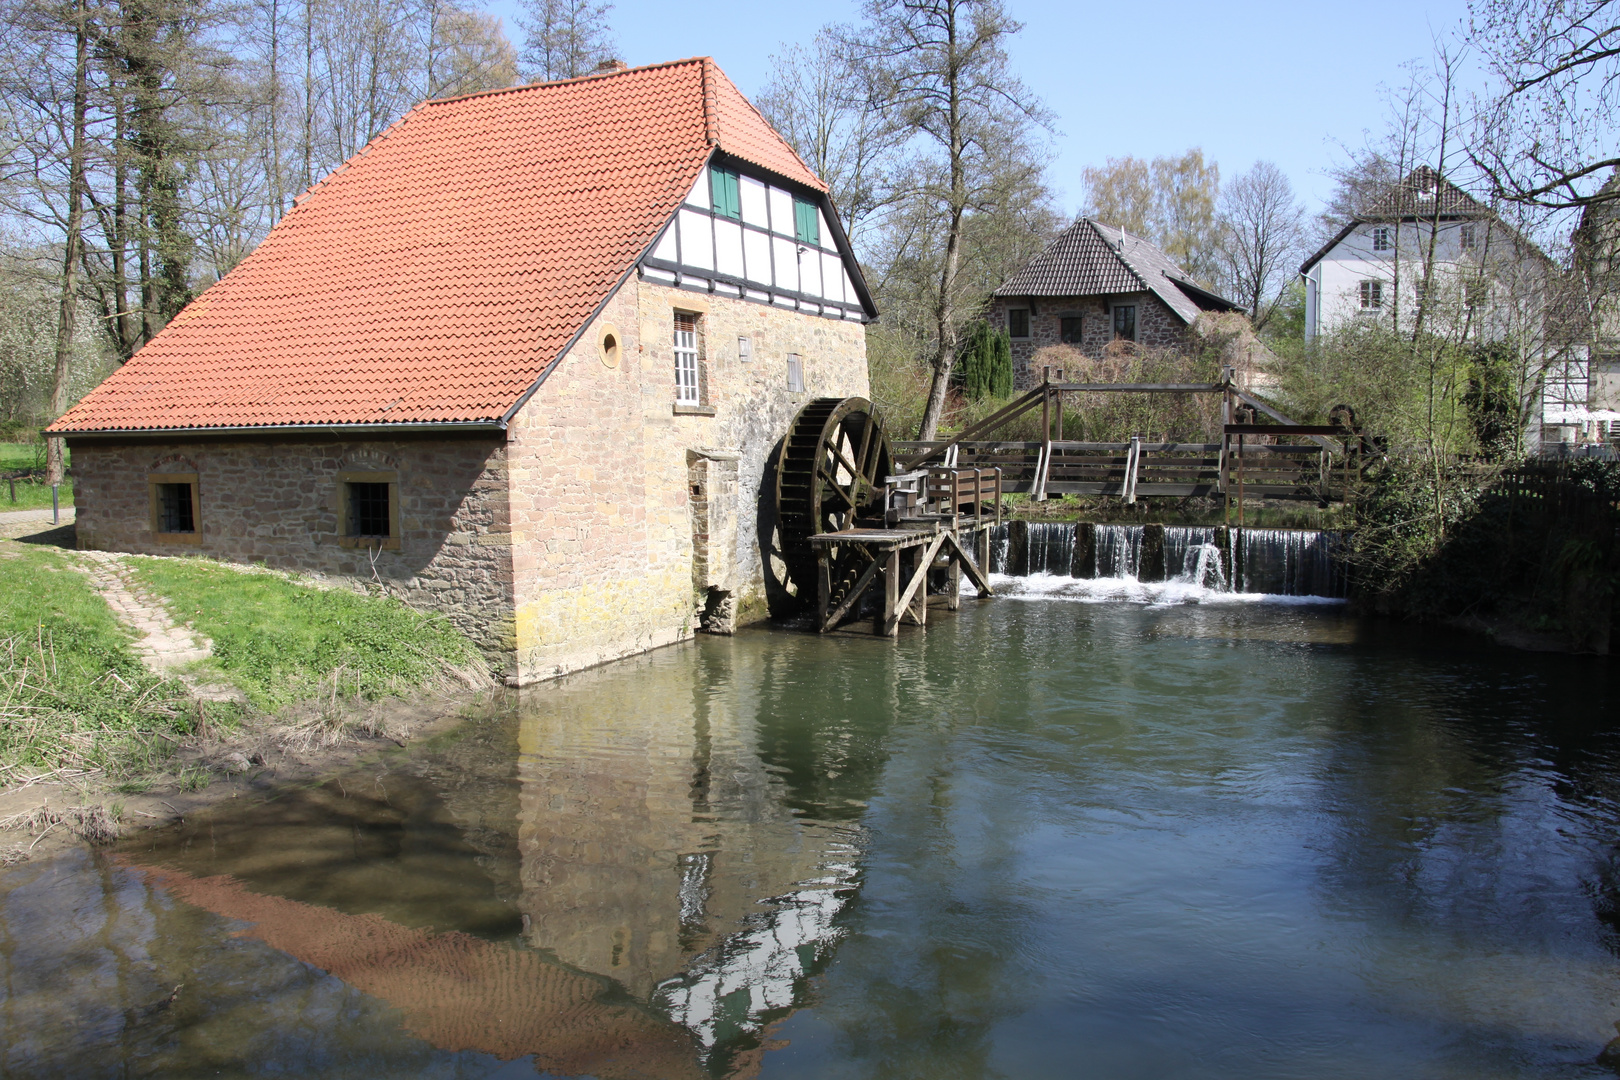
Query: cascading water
[1051, 548]
[1166, 564]
[1288, 562]
[1119, 551]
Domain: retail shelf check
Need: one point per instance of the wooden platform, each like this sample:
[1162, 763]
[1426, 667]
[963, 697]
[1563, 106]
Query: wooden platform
[849, 561]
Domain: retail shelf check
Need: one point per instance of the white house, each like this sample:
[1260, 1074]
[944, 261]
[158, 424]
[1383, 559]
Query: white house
[1429, 251]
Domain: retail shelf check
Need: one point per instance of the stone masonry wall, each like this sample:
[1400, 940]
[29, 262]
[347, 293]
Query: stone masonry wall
[277, 501]
[1156, 327]
[611, 555]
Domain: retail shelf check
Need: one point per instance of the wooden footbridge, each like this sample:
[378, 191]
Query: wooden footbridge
[853, 515]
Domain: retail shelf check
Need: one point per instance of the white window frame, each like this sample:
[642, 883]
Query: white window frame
[1371, 294]
[1468, 236]
[687, 390]
[795, 373]
[1380, 238]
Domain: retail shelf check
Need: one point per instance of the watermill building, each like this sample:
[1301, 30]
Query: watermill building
[523, 360]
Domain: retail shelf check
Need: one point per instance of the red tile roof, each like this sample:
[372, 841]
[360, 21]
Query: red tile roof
[435, 275]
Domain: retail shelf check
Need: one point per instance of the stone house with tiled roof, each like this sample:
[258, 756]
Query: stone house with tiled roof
[1093, 285]
[523, 359]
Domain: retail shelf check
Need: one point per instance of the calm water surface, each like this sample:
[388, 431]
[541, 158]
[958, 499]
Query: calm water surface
[1043, 839]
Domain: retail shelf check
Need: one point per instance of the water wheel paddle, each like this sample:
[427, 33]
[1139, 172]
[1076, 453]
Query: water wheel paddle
[834, 460]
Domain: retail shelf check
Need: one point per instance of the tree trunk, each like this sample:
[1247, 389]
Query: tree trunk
[54, 464]
[945, 309]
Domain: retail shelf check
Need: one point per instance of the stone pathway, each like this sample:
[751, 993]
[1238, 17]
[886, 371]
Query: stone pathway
[20, 517]
[164, 646]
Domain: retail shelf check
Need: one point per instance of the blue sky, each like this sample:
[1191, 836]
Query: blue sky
[1288, 82]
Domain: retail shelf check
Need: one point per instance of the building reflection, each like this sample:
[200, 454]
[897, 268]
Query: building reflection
[601, 866]
[659, 848]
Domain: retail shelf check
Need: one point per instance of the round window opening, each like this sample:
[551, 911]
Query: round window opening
[610, 347]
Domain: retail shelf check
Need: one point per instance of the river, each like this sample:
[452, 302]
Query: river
[1048, 837]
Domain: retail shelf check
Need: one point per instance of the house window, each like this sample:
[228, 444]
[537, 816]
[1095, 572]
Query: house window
[686, 359]
[1372, 295]
[725, 192]
[1018, 322]
[1380, 237]
[1475, 293]
[1469, 236]
[175, 512]
[1069, 329]
[1125, 321]
[369, 505]
[806, 223]
[795, 373]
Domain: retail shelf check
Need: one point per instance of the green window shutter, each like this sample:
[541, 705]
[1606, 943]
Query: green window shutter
[727, 196]
[805, 224]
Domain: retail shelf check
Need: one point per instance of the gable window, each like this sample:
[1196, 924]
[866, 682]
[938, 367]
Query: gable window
[175, 511]
[369, 507]
[1468, 236]
[795, 373]
[726, 193]
[1069, 329]
[1380, 238]
[1018, 322]
[1125, 321]
[686, 359]
[806, 223]
[1372, 295]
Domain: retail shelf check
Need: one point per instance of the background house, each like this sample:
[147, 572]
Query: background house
[522, 360]
[1426, 246]
[1092, 285]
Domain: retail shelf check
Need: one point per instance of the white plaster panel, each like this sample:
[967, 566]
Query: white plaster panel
[787, 263]
[781, 212]
[728, 247]
[697, 240]
[809, 270]
[753, 201]
[832, 277]
[699, 195]
[666, 247]
[757, 252]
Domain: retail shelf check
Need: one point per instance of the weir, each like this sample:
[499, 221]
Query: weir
[1283, 562]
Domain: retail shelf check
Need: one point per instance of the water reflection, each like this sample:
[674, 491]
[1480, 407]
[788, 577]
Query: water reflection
[667, 855]
[1040, 839]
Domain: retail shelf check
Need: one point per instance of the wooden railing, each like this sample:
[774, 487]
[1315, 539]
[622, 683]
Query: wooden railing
[1144, 469]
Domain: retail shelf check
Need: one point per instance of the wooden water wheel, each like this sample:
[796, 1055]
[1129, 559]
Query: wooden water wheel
[834, 461]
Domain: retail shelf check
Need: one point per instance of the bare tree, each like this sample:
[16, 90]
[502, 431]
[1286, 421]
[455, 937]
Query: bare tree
[939, 68]
[566, 38]
[819, 101]
[1170, 201]
[1262, 233]
[1549, 132]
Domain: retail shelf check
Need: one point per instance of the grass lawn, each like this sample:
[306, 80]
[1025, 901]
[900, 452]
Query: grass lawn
[71, 692]
[283, 643]
[30, 495]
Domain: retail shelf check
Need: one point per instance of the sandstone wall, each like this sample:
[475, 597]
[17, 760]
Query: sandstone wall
[633, 518]
[1157, 327]
[277, 501]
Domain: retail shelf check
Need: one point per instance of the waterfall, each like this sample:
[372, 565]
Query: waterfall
[1192, 556]
[1000, 547]
[1119, 551]
[1288, 562]
[1051, 548]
